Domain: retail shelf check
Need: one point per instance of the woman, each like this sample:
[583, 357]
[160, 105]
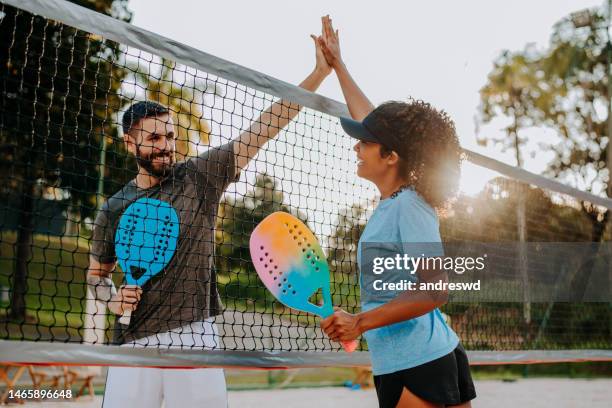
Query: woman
[412, 154]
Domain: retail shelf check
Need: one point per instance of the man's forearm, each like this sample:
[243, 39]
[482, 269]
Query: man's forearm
[270, 122]
[358, 103]
[277, 116]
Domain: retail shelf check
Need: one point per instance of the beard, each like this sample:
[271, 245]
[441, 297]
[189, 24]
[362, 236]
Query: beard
[155, 169]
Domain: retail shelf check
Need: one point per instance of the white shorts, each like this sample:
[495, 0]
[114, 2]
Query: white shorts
[177, 388]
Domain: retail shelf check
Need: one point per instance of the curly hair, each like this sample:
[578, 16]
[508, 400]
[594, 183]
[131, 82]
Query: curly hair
[430, 157]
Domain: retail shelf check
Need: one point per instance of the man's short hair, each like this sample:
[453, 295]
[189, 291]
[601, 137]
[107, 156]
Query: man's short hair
[139, 111]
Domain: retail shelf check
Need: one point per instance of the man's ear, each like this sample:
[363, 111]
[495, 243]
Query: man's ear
[130, 145]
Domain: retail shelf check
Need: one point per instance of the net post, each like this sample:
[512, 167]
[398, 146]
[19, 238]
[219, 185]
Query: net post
[522, 235]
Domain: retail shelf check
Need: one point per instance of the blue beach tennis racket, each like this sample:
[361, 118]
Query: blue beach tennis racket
[145, 241]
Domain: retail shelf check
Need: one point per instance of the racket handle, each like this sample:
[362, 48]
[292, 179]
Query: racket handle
[125, 319]
[350, 346]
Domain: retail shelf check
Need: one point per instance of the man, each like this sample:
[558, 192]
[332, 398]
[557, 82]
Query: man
[176, 307]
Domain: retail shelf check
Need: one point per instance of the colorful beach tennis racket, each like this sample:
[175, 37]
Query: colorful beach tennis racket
[145, 241]
[292, 265]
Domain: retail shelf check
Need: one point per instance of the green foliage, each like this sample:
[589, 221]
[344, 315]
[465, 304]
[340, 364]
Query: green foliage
[564, 88]
[345, 236]
[56, 287]
[60, 91]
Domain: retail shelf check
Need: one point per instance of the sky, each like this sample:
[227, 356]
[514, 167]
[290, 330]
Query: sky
[438, 51]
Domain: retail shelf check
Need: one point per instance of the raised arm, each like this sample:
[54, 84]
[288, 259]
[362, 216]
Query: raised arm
[358, 103]
[277, 116]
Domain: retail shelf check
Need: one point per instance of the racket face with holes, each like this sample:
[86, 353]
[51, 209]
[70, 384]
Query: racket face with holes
[291, 263]
[146, 239]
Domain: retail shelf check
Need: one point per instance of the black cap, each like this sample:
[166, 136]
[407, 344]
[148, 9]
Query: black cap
[375, 128]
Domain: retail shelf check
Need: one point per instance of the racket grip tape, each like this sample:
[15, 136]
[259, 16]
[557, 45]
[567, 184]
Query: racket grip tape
[125, 318]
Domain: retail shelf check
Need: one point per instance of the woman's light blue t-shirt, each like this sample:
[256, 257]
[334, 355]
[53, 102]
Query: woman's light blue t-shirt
[401, 221]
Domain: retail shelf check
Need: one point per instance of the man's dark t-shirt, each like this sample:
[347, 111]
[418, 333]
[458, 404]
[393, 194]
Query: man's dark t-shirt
[185, 291]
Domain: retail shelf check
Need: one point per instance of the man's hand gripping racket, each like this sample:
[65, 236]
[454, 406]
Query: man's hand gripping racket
[145, 242]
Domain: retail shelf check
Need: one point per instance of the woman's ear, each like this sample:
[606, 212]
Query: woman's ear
[393, 159]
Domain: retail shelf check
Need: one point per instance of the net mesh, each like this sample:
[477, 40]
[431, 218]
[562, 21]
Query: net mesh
[63, 94]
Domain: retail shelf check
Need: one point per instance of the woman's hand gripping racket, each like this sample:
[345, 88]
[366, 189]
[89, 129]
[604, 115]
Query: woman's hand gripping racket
[145, 241]
[291, 263]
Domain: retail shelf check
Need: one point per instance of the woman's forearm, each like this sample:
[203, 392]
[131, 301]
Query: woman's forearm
[358, 103]
[404, 307]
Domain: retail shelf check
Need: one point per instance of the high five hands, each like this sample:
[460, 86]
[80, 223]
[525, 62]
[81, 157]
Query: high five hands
[322, 66]
[340, 326]
[328, 44]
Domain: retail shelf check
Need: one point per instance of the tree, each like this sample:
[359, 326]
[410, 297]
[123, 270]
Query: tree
[60, 89]
[506, 93]
[563, 88]
[345, 237]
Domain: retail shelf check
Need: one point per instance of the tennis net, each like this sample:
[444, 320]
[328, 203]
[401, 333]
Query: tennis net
[68, 76]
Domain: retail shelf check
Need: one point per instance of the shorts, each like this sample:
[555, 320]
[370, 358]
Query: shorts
[446, 380]
[178, 388]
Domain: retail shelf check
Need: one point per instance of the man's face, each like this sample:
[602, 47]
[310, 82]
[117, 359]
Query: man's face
[152, 141]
